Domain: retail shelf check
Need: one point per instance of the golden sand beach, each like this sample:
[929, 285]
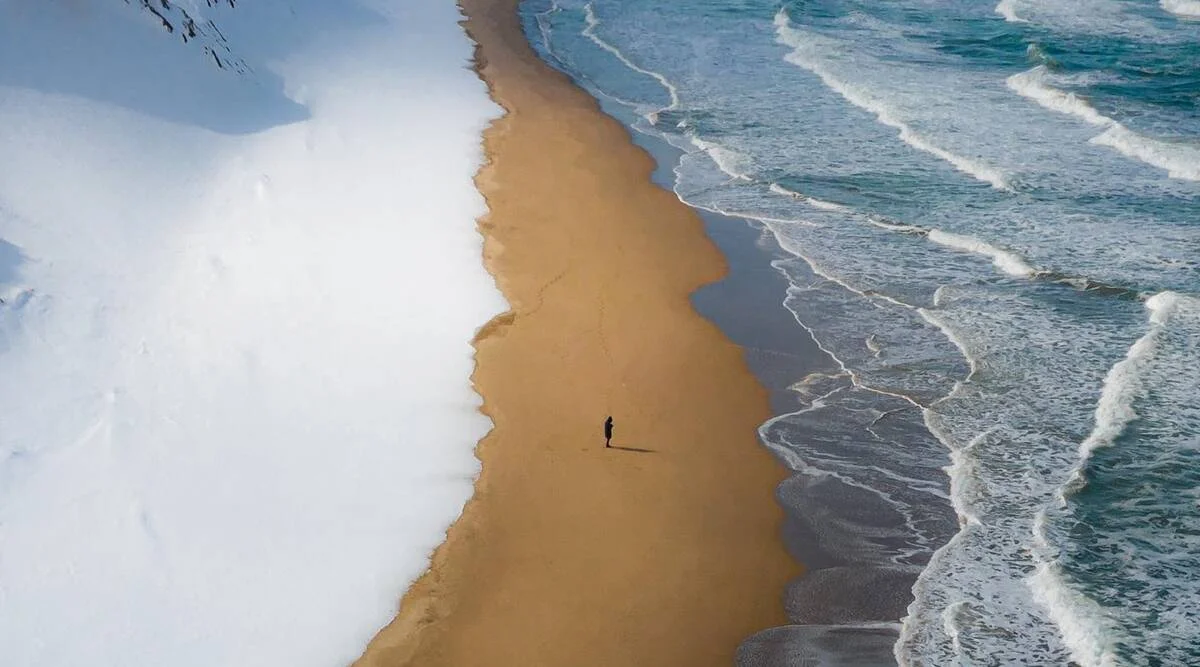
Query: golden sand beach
[570, 553]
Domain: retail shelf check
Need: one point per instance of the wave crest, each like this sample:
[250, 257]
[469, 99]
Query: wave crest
[1008, 10]
[1008, 262]
[803, 55]
[1188, 9]
[1181, 161]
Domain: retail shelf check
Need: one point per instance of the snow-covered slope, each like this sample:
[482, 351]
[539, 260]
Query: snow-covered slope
[235, 409]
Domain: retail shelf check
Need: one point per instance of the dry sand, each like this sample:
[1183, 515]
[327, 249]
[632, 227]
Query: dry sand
[570, 554]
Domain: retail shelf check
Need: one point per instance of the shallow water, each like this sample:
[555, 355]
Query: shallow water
[990, 223]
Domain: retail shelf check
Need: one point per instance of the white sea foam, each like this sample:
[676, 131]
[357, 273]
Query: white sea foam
[771, 222]
[236, 413]
[542, 19]
[963, 472]
[1032, 84]
[855, 378]
[1189, 9]
[590, 33]
[1007, 9]
[1180, 160]
[920, 609]
[811, 201]
[1080, 620]
[823, 205]
[1089, 17]
[790, 245]
[807, 54]
[1006, 261]
[950, 624]
[895, 227]
[932, 317]
[1114, 410]
[729, 161]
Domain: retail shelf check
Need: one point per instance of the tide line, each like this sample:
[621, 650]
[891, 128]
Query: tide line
[590, 33]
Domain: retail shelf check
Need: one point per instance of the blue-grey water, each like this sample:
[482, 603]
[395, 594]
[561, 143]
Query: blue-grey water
[992, 220]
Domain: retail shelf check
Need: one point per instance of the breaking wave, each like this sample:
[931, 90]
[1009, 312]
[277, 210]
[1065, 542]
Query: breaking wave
[1180, 160]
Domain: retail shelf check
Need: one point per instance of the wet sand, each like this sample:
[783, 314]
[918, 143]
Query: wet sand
[571, 554]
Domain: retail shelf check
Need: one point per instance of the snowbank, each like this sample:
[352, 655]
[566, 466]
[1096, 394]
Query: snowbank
[235, 409]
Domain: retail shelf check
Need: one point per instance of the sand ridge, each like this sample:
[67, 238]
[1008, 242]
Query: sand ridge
[568, 553]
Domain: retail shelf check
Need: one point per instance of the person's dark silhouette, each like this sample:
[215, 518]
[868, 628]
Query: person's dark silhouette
[608, 428]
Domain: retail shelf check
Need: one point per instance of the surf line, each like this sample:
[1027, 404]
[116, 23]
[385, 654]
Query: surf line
[1079, 618]
[590, 33]
[1180, 160]
[802, 56]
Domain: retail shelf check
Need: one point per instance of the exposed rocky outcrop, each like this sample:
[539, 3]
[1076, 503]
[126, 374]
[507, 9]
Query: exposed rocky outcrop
[192, 28]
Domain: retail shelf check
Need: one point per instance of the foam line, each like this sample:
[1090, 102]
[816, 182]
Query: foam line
[1032, 85]
[590, 33]
[728, 161]
[1007, 9]
[811, 201]
[801, 57]
[1079, 619]
[543, 23]
[1188, 9]
[1179, 160]
[1122, 385]
[1006, 261]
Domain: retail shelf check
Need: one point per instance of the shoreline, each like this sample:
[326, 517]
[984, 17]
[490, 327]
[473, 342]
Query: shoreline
[842, 605]
[569, 553]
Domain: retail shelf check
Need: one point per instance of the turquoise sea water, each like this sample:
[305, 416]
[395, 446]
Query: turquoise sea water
[993, 213]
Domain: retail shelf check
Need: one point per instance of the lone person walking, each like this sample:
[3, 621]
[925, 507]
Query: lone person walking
[608, 432]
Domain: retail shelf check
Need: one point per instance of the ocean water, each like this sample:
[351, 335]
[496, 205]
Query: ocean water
[991, 220]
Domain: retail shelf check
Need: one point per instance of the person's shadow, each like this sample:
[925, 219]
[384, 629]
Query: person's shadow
[631, 449]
